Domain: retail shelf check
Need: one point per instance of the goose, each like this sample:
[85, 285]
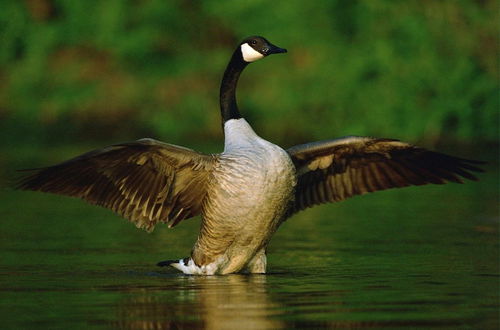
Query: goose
[246, 192]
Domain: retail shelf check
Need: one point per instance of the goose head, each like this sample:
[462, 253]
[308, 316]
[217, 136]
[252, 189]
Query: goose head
[256, 47]
[249, 50]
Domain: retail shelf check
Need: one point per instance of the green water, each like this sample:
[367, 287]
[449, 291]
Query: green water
[418, 257]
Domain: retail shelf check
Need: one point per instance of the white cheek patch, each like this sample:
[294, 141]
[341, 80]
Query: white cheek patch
[250, 54]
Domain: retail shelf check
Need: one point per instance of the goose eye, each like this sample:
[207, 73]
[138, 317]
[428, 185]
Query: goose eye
[253, 42]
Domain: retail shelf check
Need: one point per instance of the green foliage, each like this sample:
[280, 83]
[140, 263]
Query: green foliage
[415, 70]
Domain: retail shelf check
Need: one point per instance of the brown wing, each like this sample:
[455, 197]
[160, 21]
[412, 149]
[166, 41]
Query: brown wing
[145, 181]
[333, 170]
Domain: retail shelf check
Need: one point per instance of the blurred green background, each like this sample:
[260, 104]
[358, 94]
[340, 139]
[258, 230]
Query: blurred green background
[81, 74]
[87, 72]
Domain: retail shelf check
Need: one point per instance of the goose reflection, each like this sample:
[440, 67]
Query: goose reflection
[208, 302]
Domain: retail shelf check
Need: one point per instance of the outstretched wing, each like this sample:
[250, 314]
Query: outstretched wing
[333, 170]
[145, 181]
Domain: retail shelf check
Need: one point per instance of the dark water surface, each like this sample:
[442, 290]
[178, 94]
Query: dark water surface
[418, 257]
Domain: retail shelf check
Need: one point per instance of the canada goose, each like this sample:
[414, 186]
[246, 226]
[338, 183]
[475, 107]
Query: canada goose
[246, 192]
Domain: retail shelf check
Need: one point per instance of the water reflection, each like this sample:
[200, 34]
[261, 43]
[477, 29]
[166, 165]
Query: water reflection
[209, 302]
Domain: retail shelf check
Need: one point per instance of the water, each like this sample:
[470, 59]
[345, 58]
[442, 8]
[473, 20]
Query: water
[418, 257]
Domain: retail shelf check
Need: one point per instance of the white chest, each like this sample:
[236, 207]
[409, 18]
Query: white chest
[252, 154]
[254, 174]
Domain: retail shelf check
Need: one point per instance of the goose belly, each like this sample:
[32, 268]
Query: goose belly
[251, 191]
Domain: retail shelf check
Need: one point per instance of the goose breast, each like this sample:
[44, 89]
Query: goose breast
[251, 189]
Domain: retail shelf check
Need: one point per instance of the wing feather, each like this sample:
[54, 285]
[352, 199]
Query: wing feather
[145, 181]
[333, 170]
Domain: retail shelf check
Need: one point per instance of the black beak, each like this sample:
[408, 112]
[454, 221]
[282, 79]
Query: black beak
[274, 50]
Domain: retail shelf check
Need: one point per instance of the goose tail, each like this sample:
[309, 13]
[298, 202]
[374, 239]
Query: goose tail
[188, 266]
[174, 263]
[185, 265]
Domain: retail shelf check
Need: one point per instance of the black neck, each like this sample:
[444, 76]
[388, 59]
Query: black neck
[228, 106]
